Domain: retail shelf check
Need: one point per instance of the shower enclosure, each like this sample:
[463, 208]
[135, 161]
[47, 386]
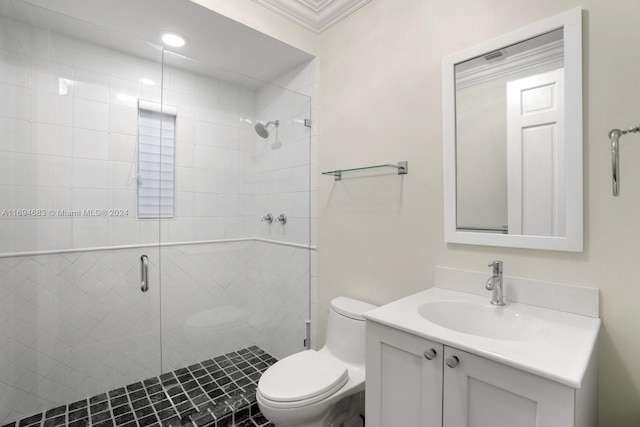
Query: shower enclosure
[132, 184]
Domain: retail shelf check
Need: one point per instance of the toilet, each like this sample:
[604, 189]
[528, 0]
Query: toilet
[321, 388]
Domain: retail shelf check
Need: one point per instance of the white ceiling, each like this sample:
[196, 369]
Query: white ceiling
[216, 44]
[315, 15]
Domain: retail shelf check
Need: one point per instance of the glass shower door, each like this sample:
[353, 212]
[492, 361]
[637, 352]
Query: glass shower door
[235, 287]
[74, 322]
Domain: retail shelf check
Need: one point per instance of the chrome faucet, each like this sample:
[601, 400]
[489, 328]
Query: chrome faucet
[494, 283]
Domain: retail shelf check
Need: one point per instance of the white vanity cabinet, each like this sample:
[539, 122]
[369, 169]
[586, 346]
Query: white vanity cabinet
[480, 392]
[404, 388]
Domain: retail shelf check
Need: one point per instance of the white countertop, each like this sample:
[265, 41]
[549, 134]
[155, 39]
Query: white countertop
[560, 350]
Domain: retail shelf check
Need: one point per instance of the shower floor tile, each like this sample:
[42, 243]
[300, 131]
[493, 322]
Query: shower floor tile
[219, 392]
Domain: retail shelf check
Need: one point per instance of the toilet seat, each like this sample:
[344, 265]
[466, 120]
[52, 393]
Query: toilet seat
[302, 379]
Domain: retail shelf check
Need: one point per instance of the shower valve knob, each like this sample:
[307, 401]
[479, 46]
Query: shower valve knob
[282, 219]
[268, 218]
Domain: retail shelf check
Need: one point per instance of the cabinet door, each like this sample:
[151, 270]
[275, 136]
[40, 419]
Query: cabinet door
[403, 387]
[482, 393]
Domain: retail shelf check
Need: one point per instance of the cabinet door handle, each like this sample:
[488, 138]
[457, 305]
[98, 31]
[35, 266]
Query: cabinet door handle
[430, 354]
[452, 361]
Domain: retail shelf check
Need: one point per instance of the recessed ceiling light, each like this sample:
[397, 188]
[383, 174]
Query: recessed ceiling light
[173, 39]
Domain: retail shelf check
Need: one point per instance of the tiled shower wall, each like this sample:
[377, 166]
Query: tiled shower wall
[69, 125]
[71, 325]
[75, 324]
[291, 166]
[238, 294]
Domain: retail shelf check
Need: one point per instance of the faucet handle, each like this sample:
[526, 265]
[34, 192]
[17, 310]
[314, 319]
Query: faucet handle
[282, 219]
[497, 267]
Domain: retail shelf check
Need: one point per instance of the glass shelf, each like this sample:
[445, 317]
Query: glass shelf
[403, 169]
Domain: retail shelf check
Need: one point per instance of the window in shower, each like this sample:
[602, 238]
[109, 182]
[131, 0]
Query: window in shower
[156, 160]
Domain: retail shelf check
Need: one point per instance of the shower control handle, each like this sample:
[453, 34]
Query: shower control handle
[144, 273]
[268, 218]
[282, 219]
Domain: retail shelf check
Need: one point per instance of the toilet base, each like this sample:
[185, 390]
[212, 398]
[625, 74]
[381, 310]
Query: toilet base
[345, 413]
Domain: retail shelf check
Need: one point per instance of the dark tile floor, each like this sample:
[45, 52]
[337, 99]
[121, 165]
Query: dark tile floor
[220, 392]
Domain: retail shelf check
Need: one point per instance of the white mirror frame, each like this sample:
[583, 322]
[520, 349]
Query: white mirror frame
[571, 21]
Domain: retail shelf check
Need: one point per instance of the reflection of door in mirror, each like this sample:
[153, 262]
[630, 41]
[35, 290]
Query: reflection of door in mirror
[484, 177]
[535, 155]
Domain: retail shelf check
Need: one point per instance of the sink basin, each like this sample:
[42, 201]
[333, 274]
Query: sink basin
[486, 321]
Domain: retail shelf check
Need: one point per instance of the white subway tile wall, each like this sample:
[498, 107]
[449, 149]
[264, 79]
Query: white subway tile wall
[70, 119]
[75, 324]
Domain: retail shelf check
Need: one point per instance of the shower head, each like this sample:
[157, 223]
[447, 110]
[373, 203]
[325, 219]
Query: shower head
[262, 130]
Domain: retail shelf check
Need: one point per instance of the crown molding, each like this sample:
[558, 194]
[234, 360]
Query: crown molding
[314, 15]
[551, 53]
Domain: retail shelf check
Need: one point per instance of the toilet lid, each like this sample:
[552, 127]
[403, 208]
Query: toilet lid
[302, 376]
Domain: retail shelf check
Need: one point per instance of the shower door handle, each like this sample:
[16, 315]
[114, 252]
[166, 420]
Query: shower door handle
[144, 273]
[614, 136]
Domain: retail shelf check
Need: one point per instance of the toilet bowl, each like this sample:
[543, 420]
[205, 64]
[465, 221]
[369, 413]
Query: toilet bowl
[321, 388]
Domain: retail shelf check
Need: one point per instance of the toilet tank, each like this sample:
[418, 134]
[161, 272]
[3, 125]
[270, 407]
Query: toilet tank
[346, 329]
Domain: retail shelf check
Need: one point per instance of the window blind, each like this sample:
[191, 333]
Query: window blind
[156, 161]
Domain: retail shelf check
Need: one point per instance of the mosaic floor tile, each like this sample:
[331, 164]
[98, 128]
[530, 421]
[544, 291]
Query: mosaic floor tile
[218, 392]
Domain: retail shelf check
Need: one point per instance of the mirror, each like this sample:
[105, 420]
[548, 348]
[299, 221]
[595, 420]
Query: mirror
[512, 137]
